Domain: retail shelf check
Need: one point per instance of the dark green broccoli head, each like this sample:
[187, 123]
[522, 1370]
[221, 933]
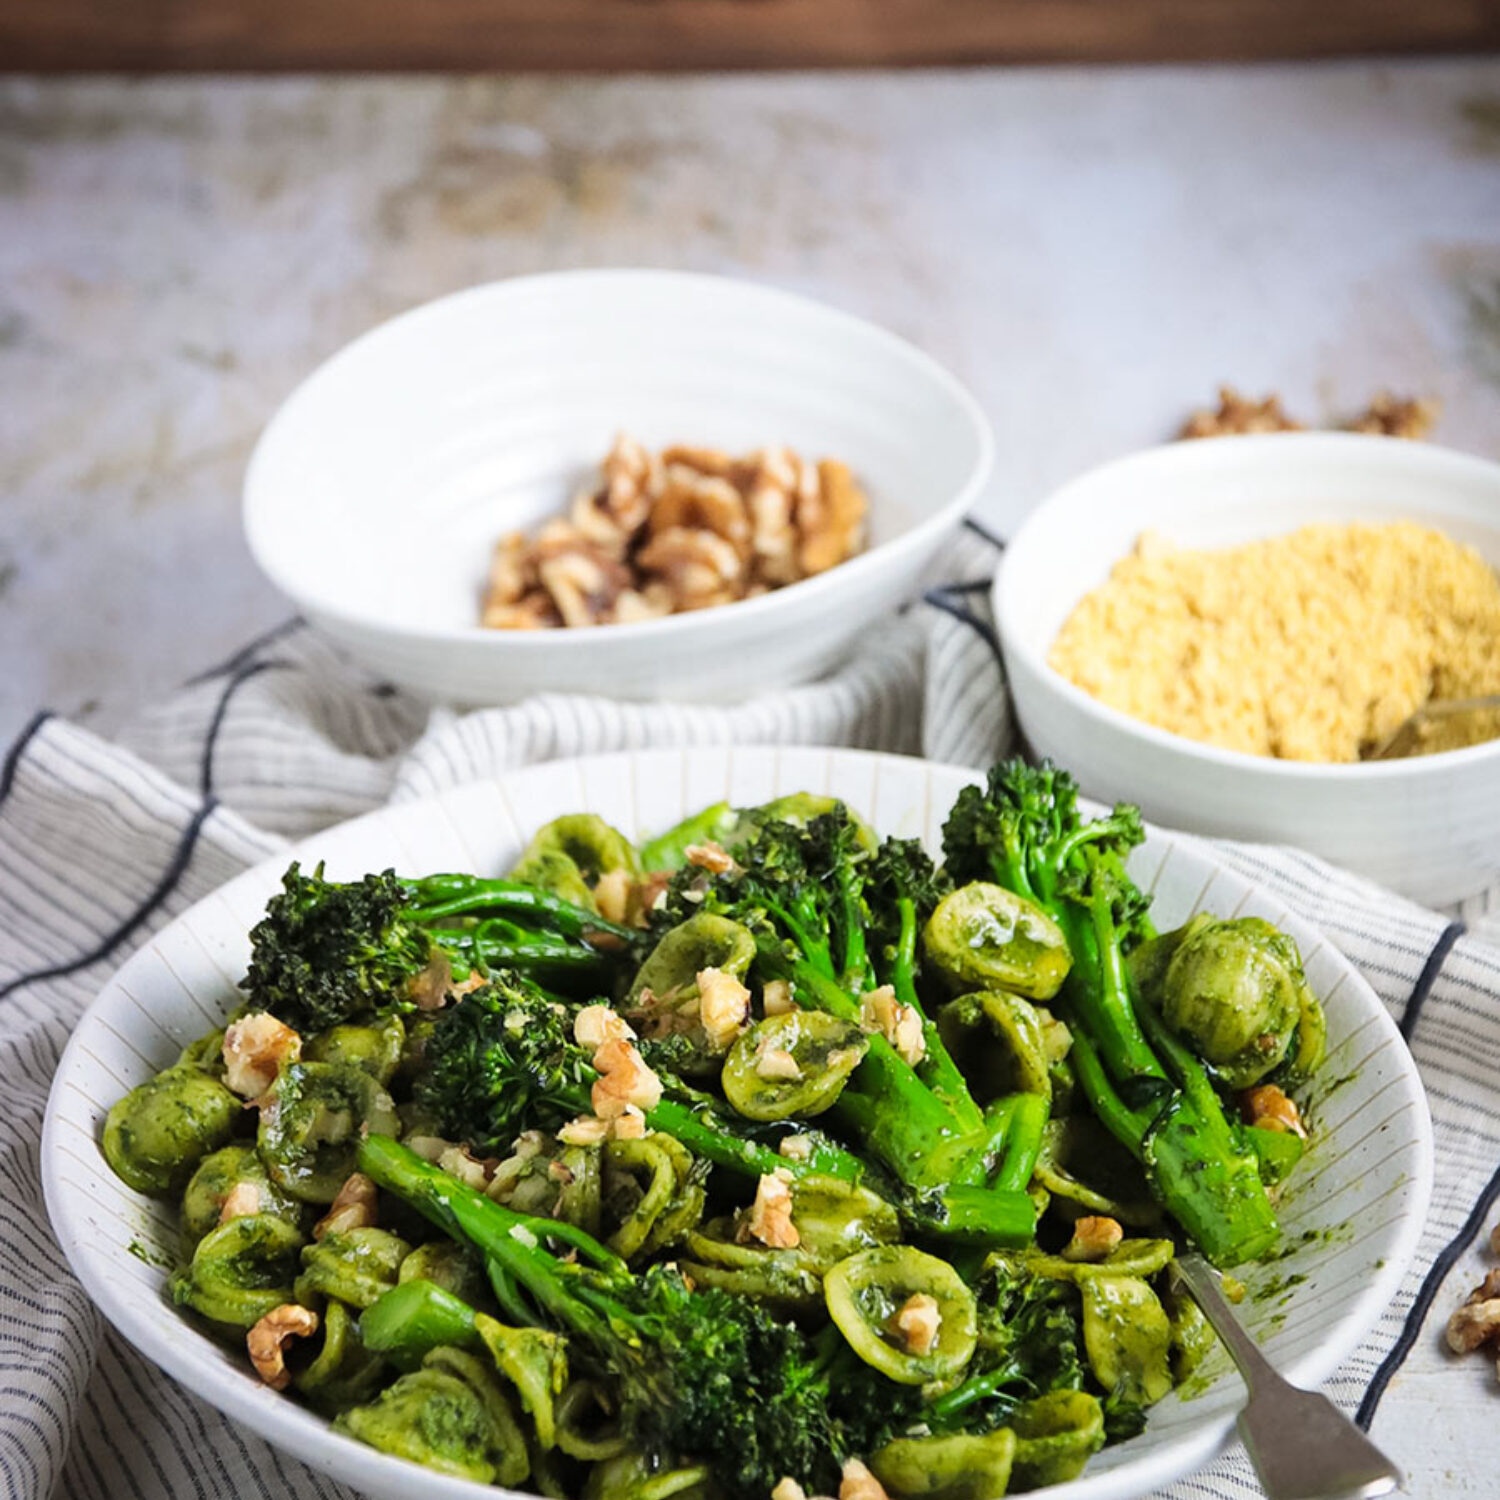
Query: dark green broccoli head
[1030, 1343]
[1024, 827]
[502, 1059]
[799, 882]
[326, 952]
[902, 870]
[1020, 808]
[715, 1377]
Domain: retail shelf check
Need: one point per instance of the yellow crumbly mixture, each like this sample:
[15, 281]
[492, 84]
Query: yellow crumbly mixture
[1311, 646]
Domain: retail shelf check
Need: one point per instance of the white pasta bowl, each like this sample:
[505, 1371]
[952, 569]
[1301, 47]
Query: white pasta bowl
[1352, 1215]
[378, 491]
[1427, 826]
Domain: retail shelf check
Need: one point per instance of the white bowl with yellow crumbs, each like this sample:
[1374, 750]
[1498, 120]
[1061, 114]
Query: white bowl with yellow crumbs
[1218, 630]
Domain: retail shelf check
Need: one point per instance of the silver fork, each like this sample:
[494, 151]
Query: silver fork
[1303, 1447]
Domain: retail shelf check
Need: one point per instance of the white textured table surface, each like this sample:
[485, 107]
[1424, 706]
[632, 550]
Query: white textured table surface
[1092, 251]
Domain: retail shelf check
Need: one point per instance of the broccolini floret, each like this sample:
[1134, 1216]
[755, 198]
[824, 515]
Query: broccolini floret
[1024, 830]
[699, 1375]
[329, 951]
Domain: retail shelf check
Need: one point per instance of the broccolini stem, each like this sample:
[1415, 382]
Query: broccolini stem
[977, 1215]
[1097, 989]
[505, 1238]
[437, 898]
[1128, 1126]
[1121, 1026]
[1026, 1119]
[856, 970]
[417, 1316]
[465, 1213]
[913, 1131]
[706, 1138]
[498, 944]
[937, 1068]
[507, 1293]
[1210, 1186]
[941, 1414]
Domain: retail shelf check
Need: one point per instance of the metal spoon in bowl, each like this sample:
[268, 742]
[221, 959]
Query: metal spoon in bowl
[1406, 735]
[1303, 1447]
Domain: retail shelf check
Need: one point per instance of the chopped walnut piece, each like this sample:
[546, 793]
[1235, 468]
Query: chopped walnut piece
[773, 534]
[900, 1025]
[242, 1199]
[1267, 1107]
[698, 567]
[458, 1162]
[595, 1025]
[653, 602]
[770, 1216]
[254, 1049]
[612, 896]
[916, 1322]
[1094, 1236]
[859, 1483]
[1474, 1325]
[352, 1208]
[832, 527]
[1238, 415]
[512, 574]
[586, 1130]
[630, 1126]
[1489, 1287]
[534, 611]
[428, 1147]
[796, 1147]
[1388, 416]
[700, 502]
[723, 1007]
[429, 989]
[680, 530]
[584, 582]
[709, 856]
[267, 1341]
[710, 461]
[776, 1064]
[624, 1079]
[776, 997]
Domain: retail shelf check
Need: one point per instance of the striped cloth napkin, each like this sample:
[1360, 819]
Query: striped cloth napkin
[101, 843]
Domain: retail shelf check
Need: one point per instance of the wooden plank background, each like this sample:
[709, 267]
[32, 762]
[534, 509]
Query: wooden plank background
[616, 35]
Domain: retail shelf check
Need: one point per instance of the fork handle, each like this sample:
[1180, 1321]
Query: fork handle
[1258, 1372]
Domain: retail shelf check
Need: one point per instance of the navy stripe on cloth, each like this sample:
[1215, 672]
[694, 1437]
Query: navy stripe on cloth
[984, 533]
[942, 598]
[159, 893]
[18, 749]
[247, 652]
[1428, 977]
[1426, 1295]
[241, 675]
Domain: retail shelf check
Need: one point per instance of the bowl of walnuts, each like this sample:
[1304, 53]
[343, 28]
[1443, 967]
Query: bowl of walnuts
[643, 484]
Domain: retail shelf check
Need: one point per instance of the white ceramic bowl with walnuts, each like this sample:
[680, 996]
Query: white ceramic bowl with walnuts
[376, 496]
